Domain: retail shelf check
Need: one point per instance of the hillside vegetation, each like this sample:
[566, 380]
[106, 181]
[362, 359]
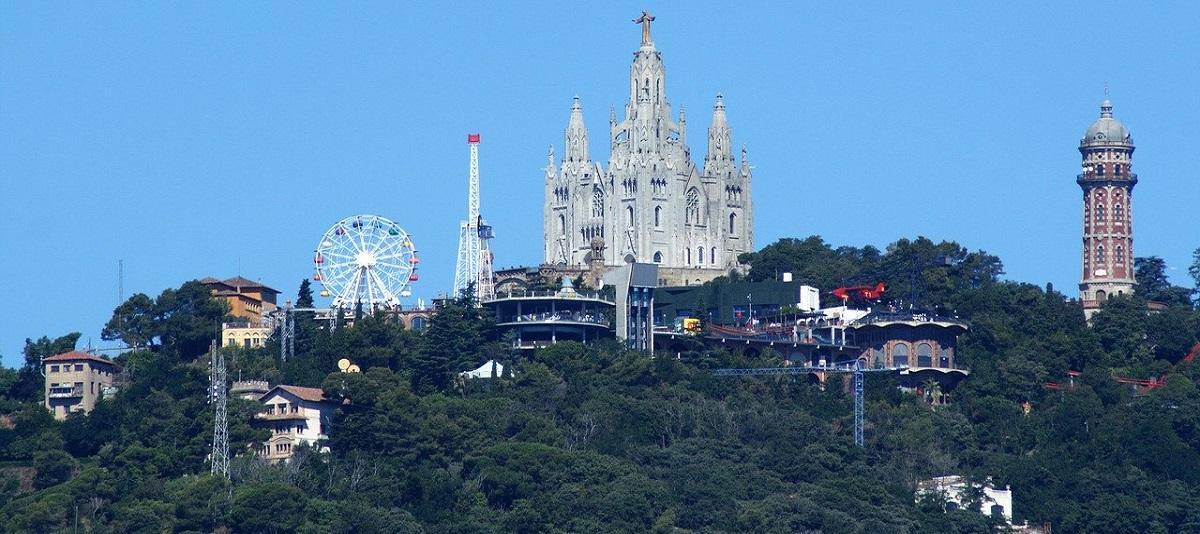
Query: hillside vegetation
[598, 439]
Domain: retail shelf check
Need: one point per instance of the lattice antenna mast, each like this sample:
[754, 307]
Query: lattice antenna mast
[218, 395]
[467, 269]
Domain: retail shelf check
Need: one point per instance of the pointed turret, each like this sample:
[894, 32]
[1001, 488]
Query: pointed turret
[576, 135]
[719, 159]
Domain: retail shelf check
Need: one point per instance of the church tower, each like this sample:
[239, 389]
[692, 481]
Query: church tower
[652, 203]
[1107, 180]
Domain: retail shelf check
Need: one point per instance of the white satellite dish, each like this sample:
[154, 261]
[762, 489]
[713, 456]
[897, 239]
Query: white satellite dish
[343, 364]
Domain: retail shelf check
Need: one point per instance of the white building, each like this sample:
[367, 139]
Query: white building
[956, 491]
[295, 415]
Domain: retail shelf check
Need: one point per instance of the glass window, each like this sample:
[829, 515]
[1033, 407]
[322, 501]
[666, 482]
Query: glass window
[53, 368]
[732, 223]
[924, 355]
[900, 354]
[658, 257]
[597, 202]
[629, 215]
[657, 216]
[691, 213]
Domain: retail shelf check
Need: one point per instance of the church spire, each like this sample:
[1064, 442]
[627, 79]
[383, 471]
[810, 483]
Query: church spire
[576, 134]
[719, 159]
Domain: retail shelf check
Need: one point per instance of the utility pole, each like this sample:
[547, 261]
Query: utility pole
[217, 396]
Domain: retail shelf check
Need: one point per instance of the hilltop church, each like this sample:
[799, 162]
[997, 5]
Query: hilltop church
[652, 204]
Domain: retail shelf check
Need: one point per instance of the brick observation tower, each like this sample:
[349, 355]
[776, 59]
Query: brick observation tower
[1107, 180]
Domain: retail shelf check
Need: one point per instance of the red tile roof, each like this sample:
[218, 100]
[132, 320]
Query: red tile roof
[239, 282]
[308, 394]
[75, 356]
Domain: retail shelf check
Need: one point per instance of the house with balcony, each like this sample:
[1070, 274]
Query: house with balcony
[295, 416]
[76, 381]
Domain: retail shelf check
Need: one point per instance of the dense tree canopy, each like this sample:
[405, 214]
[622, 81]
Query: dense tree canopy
[598, 439]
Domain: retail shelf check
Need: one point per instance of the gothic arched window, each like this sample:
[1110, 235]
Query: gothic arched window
[713, 256]
[1099, 253]
[597, 202]
[658, 257]
[657, 216]
[1118, 213]
[699, 255]
[691, 213]
[689, 256]
[1100, 213]
[732, 223]
[562, 224]
[629, 215]
[1119, 257]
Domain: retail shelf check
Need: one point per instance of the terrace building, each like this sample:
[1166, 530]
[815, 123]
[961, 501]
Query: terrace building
[76, 381]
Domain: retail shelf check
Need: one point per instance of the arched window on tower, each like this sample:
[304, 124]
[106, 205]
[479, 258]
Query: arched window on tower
[691, 213]
[1100, 254]
[1119, 256]
[689, 256]
[657, 216]
[562, 224]
[1118, 213]
[658, 257]
[597, 202]
[732, 223]
[699, 255]
[713, 257]
[629, 215]
[1100, 213]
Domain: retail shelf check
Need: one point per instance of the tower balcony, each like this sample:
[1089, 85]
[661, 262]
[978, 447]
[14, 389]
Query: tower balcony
[1094, 180]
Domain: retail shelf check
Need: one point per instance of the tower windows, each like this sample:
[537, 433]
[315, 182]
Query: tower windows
[691, 213]
[597, 202]
[562, 224]
[1100, 213]
[688, 253]
[713, 257]
[1119, 257]
[657, 216]
[1118, 213]
[658, 257]
[1100, 254]
[732, 223]
[629, 216]
[699, 255]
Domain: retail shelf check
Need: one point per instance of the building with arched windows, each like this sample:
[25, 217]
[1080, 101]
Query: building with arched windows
[1107, 180]
[652, 203]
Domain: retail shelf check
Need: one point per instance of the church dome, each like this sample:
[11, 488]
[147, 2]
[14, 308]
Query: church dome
[1106, 130]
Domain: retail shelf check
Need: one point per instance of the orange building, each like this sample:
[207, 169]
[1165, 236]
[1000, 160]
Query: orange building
[246, 298]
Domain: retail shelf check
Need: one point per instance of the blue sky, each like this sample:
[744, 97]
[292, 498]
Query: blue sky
[215, 138]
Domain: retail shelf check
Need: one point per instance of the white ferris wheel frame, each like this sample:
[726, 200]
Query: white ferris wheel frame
[370, 260]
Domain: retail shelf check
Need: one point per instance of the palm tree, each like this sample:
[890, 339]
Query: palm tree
[933, 391]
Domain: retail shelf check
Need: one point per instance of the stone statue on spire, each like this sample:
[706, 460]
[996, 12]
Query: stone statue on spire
[645, 21]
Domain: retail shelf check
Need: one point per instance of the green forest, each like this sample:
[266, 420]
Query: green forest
[599, 439]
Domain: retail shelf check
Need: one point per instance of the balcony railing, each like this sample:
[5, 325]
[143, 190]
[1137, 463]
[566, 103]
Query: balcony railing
[65, 393]
[548, 317]
[522, 294]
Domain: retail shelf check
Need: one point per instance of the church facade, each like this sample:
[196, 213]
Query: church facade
[651, 203]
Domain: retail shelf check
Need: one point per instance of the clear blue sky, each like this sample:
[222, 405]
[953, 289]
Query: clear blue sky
[212, 138]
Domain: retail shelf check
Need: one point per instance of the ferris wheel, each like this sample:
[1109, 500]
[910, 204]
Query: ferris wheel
[367, 259]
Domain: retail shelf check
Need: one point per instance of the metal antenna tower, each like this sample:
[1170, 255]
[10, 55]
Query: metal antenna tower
[474, 264]
[217, 396]
[287, 333]
[856, 368]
